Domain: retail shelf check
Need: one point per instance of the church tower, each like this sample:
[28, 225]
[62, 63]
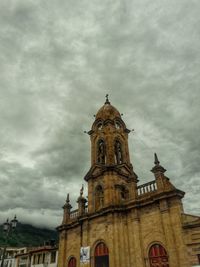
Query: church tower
[111, 179]
[123, 223]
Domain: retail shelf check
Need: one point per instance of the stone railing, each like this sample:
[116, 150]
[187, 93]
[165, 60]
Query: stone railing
[75, 213]
[147, 188]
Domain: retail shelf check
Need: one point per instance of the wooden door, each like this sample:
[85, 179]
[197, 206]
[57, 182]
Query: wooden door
[101, 255]
[72, 262]
[158, 256]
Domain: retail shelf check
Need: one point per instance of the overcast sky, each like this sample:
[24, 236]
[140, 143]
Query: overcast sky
[58, 59]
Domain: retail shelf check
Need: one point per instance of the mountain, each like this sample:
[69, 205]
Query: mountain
[27, 235]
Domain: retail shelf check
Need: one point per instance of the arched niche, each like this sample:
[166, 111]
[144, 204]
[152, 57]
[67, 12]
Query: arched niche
[124, 193]
[118, 152]
[101, 152]
[99, 197]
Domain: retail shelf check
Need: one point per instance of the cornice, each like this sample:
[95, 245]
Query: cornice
[110, 168]
[126, 207]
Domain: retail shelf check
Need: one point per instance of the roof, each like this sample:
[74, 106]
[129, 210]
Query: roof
[107, 111]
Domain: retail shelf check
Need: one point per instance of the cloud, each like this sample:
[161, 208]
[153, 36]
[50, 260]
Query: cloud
[59, 59]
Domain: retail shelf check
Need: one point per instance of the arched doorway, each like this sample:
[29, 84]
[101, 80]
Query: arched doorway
[101, 255]
[158, 256]
[72, 262]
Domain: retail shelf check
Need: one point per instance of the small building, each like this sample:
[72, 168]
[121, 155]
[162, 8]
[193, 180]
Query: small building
[10, 255]
[44, 256]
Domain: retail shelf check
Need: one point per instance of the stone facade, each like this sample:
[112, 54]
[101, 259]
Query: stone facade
[125, 224]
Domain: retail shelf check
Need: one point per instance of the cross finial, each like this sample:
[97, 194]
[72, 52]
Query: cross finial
[107, 100]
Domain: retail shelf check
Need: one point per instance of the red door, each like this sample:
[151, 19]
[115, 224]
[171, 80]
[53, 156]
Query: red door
[158, 256]
[101, 255]
[72, 262]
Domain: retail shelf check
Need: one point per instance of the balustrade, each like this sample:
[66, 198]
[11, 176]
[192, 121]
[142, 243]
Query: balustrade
[75, 213]
[147, 188]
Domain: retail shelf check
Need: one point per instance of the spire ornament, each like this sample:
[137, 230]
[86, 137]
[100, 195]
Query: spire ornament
[66, 210]
[107, 100]
[67, 200]
[81, 202]
[156, 161]
[67, 205]
[157, 168]
[81, 191]
[162, 181]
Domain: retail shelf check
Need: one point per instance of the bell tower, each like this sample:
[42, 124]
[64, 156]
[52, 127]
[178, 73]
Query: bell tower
[111, 179]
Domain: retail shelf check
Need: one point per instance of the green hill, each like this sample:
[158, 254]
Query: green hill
[28, 235]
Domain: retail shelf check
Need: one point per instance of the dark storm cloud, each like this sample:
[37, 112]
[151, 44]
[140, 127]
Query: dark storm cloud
[58, 60]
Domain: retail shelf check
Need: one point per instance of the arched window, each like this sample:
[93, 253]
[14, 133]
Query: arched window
[72, 262]
[158, 256]
[117, 125]
[101, 255]
[101, 152]
[99, 197]
[100, 126]
[118, 152]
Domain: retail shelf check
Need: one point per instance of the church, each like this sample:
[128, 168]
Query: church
[120, 223]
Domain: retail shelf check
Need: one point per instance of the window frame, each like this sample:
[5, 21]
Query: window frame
[53, 256]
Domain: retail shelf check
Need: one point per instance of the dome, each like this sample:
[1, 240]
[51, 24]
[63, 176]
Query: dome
[108, 112]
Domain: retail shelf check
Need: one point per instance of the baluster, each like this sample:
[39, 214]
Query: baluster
[147, 188]
[154, 186]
